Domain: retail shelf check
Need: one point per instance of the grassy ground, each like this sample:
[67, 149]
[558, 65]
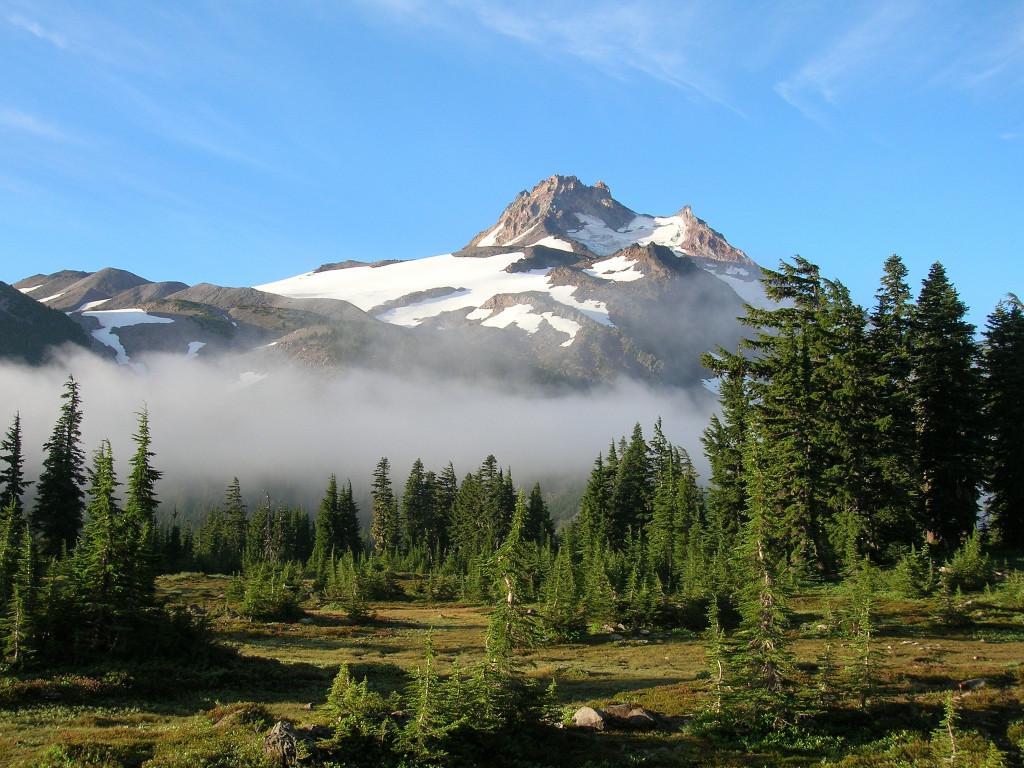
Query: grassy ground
[159, 713]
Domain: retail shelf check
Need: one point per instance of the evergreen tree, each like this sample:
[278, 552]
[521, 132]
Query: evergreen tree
[592, 521]
[384, 525]
[236, 525]
[417, 513]
[18, 623]
[894, 483]
[723, 445]
[12, 478]
[103, 558]
[762, 659]
[564, 612]
[539, 526]
[946, 385]
[139, 515]
[60, 501]
[446, 489]
[513, 564]
[348, 521]
[328, 542]
[630, 499]
[1003, 368]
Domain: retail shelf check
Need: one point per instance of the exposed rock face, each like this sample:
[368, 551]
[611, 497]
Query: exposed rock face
[702, 241]
[549, 210]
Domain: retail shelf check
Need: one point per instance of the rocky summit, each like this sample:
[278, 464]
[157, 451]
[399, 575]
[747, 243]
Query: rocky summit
[568, 288]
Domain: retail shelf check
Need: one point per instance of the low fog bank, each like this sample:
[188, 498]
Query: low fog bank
[283, 432]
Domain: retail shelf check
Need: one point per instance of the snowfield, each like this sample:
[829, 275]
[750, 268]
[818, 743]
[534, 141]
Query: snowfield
[119, 318]
[478, 280]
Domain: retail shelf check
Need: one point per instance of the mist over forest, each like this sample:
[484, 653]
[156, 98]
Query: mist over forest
[283, 432]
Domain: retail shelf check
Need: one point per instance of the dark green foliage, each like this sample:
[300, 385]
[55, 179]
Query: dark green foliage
[139, 518]
[970, 568]
[630, 496]
[482, 512]
[539, 526]
[385, 530]
[437, 721]
[564, 612]
[946, 386]
[1002, 364]
[12, 476]
[20, 610]
[893, 515]
[510, 626]
[914, 574]
[60, 500]
[236, 526]
[271, 594]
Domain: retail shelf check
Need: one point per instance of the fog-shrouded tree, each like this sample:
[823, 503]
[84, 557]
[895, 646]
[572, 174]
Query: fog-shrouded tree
[140, 512]
[385, 529]
[60, 500]
[328, 540]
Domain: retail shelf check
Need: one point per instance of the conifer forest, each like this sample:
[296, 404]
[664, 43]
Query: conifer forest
[845, 587]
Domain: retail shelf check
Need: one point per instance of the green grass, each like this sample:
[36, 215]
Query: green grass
[177, 717]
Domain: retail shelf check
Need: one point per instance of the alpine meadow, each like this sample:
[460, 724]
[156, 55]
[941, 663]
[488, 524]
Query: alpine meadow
[844, 586]
[517, 383]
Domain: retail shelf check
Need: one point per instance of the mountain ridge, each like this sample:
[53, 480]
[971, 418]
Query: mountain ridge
[567, 274]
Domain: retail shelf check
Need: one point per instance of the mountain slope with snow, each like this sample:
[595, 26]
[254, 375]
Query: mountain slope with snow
[568, 287]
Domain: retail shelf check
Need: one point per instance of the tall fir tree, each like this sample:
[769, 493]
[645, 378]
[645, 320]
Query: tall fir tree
[236, 525]
[1002, 364]
[103, 559]
[630, 498]
[762, 659]
[539, 526]
[384, 525]
[723, 445]
[417, 514]
[349, 533]
[328, 541]
[140, 514]
[18, 621]
[946, 385]
[60, 500]
[894, 482]
[12, 475]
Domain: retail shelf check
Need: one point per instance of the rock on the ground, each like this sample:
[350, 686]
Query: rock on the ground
[588, 717]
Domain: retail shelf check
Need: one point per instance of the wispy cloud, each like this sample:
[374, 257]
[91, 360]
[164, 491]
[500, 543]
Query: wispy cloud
[34, 28]
[853, 59]
[15, 119]
[666, 41]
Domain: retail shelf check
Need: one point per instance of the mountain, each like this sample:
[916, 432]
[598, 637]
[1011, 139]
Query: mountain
[568, 288]
[29, 330]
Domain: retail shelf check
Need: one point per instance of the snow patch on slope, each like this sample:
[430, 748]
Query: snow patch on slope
[91, 305]
[480, 279]
[617, 268]
[551, 241]
[669, 231]
[33, 288]
[523, 316]
[119, 318]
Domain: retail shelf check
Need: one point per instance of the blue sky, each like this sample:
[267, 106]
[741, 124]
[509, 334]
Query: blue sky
[242, 142]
